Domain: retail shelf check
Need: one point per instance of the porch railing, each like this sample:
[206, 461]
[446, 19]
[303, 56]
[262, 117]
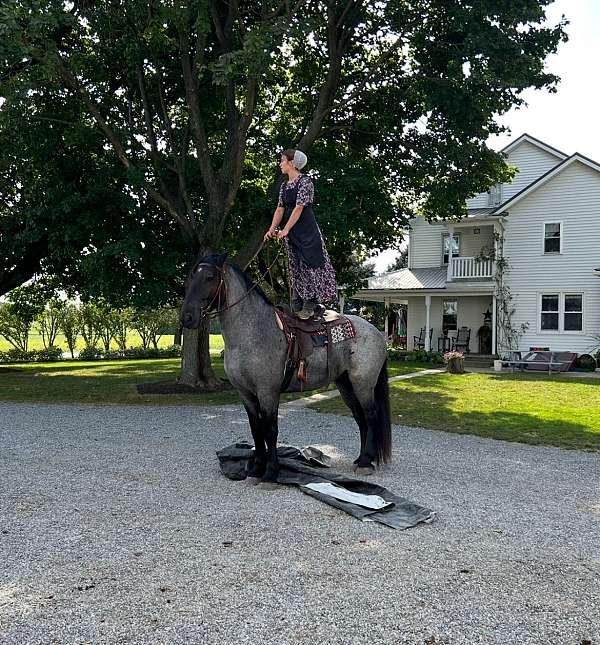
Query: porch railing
[466, 267]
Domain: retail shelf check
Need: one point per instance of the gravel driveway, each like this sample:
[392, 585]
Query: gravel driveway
[116, 527]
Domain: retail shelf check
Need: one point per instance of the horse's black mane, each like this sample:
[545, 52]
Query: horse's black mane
[217, 260]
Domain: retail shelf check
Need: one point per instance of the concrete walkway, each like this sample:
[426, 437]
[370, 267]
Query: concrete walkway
[325, 396]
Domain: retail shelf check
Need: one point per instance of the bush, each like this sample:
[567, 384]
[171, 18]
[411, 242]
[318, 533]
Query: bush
[395, 354]
[90, 353]
[34, 356]
[421, 356]
[131, 353]
[53, 353]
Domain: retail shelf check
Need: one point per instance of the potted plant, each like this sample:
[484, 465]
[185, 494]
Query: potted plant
[455, 362]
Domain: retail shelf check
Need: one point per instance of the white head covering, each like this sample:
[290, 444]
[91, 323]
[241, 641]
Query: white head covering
[299, 160]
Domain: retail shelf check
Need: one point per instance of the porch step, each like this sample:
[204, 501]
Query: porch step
[479, 360]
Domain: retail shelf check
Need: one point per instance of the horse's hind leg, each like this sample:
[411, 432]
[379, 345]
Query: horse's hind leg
[345, 388]
[258, 463]
[365, 400]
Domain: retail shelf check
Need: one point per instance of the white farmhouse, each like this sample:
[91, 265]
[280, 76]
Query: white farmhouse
[549, 220]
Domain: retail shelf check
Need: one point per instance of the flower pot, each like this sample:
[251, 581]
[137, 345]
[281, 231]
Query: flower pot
[456, 366]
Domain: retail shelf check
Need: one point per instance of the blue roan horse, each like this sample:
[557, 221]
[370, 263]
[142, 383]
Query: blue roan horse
[255, 356]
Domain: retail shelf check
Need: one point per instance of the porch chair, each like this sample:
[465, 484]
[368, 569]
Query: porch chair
[461, 342]
[419, 341]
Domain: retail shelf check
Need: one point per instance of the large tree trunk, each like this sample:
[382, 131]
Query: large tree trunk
[196, 368]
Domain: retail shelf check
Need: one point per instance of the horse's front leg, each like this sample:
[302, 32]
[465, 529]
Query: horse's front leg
[269, 408]
[258, 463]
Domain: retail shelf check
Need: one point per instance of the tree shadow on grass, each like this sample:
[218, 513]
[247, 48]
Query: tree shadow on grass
[102, 382]
[434, 409]
[435, 403]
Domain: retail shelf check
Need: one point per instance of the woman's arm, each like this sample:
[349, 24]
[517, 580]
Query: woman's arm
[277, 216]
[294, 217]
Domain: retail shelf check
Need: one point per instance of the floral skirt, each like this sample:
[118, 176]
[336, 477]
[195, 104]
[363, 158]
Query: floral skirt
[312, 283]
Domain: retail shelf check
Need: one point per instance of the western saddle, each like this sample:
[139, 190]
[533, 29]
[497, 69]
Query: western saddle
[304, 336]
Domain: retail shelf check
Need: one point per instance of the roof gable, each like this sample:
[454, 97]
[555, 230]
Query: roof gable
[527, 138]
[553, 172]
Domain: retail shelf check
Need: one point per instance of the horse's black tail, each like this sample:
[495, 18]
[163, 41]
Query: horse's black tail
[383, 431]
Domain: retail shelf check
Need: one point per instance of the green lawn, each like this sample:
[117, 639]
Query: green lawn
[557, 411]
[114, 382]
[101, 382]
[535, 409]
[133, 340]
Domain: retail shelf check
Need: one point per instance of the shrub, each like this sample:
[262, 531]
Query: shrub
[90, 353]
[49, 355]
[421, 356]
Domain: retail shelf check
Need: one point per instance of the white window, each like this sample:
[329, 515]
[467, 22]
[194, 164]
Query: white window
[449, 316]
[550, 312]
[562, 312]
[573, 320]
[552, 237]
[455, 247]
[495, 195]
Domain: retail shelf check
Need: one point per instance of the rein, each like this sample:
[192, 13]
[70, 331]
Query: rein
[206, 313]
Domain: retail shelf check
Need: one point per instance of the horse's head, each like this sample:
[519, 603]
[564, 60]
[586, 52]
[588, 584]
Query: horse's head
[203, 288]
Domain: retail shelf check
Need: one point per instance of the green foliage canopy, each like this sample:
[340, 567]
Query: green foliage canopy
[158, 124]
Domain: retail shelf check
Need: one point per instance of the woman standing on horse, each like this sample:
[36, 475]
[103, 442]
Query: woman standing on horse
[311, 273]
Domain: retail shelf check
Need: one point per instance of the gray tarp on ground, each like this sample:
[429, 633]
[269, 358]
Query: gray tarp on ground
[300, 467]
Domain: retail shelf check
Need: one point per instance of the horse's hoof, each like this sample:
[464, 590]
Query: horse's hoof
[364, 471]
[256, 470]
[268, 485]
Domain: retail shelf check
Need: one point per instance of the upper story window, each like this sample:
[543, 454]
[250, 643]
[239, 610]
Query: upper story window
[552, 237]
[455, 247]
[495, 195]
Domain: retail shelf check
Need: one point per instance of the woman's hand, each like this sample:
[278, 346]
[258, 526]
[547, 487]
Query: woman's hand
[269, 234]
[282, 233]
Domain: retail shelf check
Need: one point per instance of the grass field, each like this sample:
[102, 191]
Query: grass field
[114, 382]
[535, 409]
[133, 340]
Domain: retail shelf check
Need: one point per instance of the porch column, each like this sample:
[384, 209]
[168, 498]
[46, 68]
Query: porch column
[498, 231]
[427, 321]
[494, 324]
[386, 304]
[342, 302]
[450, 228]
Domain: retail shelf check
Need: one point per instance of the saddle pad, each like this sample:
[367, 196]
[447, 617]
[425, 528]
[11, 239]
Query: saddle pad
[342, 331]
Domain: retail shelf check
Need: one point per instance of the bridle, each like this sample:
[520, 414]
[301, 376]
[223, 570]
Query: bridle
[221, 289]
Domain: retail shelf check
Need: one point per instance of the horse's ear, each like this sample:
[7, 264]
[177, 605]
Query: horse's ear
[221, 260]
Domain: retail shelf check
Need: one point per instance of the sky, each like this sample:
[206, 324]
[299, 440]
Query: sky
[568, 119]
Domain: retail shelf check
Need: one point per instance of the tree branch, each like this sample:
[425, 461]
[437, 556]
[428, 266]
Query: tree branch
[193, 102]
[109, 133]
